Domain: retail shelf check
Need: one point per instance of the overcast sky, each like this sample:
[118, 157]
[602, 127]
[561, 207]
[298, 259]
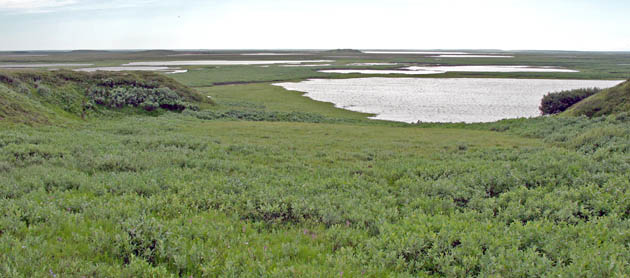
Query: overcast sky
[316, 24]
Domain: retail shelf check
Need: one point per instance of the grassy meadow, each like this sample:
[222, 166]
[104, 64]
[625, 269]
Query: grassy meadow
[251, 180]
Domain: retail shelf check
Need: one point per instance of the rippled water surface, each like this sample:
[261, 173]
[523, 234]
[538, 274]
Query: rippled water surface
[439, 99]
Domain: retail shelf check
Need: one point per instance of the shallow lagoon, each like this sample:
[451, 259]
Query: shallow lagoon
[305, 65]
[472, 56]
[443, 69]
[16, 66]
[439, 99]
[375, 71]
[416, 52]
[372, 64]
[124, 69]
[491, 69]
[274, 54]
[166, 70]
[224, 62]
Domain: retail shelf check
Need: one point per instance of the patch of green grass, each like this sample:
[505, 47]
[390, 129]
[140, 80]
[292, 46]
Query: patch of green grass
[265, 97]
[18, 108]
[217, 75]
[609, 101]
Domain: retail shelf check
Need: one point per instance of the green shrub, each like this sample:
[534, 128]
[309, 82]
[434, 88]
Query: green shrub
[145, 237]
[588, 135]
[6, 78]
[23, 89]
[43, 90]
[149, 105]
[13, 82]
[148, 99]
[556, 102]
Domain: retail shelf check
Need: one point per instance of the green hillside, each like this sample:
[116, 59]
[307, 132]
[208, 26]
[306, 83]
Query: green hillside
[609, 101]
[44, 97]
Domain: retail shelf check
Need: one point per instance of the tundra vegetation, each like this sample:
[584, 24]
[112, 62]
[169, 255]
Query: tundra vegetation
[556, 102]
[138, 175]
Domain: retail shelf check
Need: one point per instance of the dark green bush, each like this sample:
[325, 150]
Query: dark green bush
[148, 99]
[144, 239]
[557, 102]
[43, 90]
[6, 78]
[23, 89]
[20, 87]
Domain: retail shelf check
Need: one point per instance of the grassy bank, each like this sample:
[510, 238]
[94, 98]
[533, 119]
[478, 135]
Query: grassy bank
[609, 101]
[46, 97]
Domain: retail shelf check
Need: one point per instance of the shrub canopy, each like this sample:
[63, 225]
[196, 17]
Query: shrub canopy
[556, 102]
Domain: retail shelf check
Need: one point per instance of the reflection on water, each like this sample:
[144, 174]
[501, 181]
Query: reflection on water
[439, 99]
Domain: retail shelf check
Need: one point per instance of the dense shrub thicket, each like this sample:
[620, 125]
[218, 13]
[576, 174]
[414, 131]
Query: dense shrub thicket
[147, 98]
[556, 102]
[176, 196]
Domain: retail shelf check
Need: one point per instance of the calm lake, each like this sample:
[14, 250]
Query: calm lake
[472, 56]
[416, 52]
[223, 62]
[166, 70]
[443, 69]
[16, 66]
[439, 99]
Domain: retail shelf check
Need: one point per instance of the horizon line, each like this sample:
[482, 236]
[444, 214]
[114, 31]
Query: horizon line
[305, 49]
